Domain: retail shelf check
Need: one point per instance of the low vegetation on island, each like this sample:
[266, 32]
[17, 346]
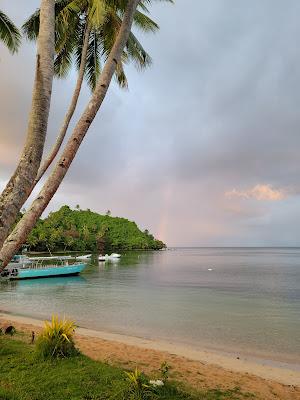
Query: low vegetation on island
[84, 230]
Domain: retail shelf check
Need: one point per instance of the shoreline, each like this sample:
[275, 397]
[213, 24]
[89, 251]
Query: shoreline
[279, 361]
[264, 369]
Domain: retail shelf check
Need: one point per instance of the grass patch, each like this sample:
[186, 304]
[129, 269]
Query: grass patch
[25, 377]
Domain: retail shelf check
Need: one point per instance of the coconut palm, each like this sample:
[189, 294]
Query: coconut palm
[85, 33]
[25, 225]
[16, 191]
[9, 33]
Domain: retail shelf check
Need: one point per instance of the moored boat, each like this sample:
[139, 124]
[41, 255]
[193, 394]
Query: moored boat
[113, 256]
[25, 271]
[85, 257]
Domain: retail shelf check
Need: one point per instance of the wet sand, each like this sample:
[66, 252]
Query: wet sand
[200, 369]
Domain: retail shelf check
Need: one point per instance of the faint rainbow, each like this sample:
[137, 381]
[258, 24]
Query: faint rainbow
[162, 231]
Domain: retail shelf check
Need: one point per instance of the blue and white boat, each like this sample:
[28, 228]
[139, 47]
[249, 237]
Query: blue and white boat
[30, 270]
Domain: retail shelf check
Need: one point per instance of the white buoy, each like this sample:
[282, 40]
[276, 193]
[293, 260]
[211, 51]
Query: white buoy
[209, 269]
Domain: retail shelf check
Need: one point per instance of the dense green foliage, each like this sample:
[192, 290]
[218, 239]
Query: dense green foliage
[56, 339]
[80, 230]
[25, 377]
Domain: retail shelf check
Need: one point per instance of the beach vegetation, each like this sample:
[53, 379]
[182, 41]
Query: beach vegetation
[138, 386]
[164, 371]
[56, 339]
[25, 377]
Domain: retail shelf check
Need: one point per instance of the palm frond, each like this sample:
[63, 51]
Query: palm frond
[109, 32]
[151, 1]
[96, 13]
[79, 43]
[105, 19]
[143, 22]
[9, 33]
[63, 59]
[137, 53]
[121, 77]
[134, 49]
[31, 26]
[93, 66]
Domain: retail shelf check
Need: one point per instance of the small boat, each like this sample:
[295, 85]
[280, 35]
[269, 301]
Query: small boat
[16, 271]
[113, 256]
[85, 257]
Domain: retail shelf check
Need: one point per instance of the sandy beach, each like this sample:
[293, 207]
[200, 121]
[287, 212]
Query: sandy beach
[200, 369]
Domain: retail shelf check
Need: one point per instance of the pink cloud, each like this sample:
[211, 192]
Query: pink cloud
[259, 192]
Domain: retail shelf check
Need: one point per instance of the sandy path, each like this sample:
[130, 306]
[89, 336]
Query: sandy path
[201, 369]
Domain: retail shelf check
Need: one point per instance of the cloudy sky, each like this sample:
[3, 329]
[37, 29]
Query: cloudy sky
[203, 149]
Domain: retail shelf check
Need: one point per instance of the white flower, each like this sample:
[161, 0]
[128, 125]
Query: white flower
[158, 382]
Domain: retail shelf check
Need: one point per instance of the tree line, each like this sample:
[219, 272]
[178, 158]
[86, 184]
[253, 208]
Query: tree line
[84, 230]
[96, 37]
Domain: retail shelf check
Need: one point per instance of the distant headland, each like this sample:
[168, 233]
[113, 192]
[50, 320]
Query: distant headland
[85, 230]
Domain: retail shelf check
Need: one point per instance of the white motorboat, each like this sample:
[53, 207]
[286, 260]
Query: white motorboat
[85, 257]
[113, 256]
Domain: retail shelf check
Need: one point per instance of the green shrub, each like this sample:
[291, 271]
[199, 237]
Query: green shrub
[138, 386]
[164, 371]
[56, 339]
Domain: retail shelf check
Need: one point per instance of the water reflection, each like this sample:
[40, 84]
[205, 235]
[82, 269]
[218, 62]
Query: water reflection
[250, 299]
[43, 283]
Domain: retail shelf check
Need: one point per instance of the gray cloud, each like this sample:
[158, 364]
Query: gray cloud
[217, 110]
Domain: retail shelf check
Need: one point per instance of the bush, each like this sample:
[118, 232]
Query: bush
[56, 340]
[138, 386]
[164, 371]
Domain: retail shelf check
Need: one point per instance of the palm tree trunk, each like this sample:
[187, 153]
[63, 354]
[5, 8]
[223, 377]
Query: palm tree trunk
[23, 228]
[70, 112]
[19, 185]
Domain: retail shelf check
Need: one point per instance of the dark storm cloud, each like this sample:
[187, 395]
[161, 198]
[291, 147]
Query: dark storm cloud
[217, 112]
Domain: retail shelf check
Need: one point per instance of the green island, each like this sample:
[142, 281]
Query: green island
[26, 377]
[85, 230]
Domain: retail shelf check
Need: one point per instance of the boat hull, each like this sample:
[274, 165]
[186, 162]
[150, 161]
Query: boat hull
[66, 270]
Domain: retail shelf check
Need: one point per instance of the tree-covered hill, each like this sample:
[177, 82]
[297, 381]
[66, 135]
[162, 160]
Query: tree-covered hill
[80, 230]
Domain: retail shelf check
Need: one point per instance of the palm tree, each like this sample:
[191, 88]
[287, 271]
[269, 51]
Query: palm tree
[83, 30]
[9, 33]
[23, 228]
[16, 191]
[85, 33]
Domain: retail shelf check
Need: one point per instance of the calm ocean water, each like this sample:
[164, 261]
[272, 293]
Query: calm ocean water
[248, 302]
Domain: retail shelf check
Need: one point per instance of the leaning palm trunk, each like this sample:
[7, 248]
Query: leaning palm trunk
[23, 228]
[45, 164]
[19, 185]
